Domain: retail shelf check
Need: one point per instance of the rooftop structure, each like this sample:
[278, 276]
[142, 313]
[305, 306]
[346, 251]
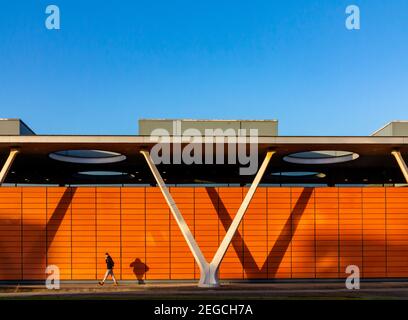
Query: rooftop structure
[393, 129]
[14, 127]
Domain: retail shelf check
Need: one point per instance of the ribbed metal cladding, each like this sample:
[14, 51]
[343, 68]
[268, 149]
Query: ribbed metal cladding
[298, 233]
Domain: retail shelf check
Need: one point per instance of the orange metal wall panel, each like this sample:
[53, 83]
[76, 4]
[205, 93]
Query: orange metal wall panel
[397, 232]
[374, 238]
[229, 202]
[279, 230]
[34, 208]
[181, 258]
[303, 233]
[83, 233]
[206, 223]
[286, 232]
[133, 233]
[255, 236]
[350, 229]
[108, 229]
[59, 230]
[10, 233]
[327, 232]
[157, 235]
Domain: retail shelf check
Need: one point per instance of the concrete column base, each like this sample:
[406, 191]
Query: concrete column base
[209, 277]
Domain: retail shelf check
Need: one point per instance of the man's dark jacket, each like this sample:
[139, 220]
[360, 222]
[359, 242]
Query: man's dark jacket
[109, 262]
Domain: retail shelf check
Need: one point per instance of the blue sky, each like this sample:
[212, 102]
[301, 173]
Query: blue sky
[113, 62]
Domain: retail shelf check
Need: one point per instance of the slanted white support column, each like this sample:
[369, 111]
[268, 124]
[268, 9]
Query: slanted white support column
[185, 230]
[219, 255]
[208, 271]
[401, 163]
[7, 165]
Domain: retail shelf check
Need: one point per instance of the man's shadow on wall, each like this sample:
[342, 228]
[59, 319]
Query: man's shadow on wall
[139, 269]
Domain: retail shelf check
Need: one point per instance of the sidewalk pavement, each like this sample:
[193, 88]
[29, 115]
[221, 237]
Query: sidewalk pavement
[179, 291]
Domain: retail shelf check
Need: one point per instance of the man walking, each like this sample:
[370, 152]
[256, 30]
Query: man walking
[109, 266]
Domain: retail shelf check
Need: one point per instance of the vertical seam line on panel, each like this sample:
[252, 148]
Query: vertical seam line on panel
[145, 234]
[168, 218]
[241, 226]
[70, 204]
[362, 229]
[243, 232]
[96, 231]
[194, 227]
[218, 217]
[291, 232]
[243, 237]
[46, 226]
[21, 235]
[267, 232]
[315, 241]
[386, 232]
[120, 230]
[338, 232]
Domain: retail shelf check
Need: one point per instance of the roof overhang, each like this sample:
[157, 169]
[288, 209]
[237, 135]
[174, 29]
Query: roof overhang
[33, 164]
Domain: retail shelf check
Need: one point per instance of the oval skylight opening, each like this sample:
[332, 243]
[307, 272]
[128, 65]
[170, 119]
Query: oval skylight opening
[87, 156]
[299, 174]
[321, 157]
[103, 173]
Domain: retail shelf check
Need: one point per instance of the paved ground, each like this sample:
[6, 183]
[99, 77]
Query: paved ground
[246, 291]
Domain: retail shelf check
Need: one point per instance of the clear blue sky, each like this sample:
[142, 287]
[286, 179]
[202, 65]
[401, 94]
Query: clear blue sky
[114, 62]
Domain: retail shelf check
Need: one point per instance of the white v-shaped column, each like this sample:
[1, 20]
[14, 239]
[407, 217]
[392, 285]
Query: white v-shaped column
[400, 160]
[208, 271]
[7, 165]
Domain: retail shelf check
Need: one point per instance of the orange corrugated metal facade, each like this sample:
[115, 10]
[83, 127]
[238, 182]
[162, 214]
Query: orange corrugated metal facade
[287, 233]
